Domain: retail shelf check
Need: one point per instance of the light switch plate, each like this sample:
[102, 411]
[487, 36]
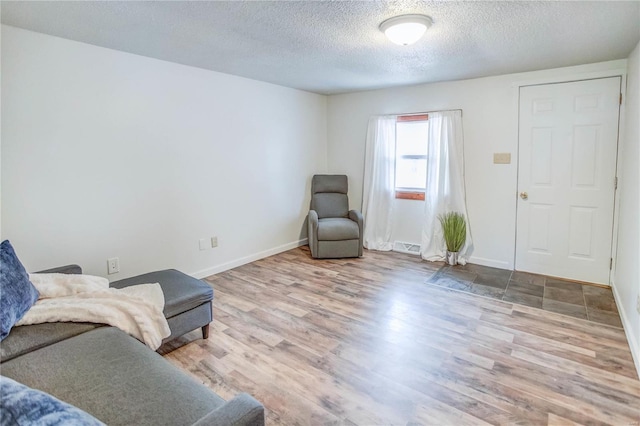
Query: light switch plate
[502, 158]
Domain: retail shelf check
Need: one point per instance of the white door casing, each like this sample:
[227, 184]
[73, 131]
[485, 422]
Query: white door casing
[568, 138]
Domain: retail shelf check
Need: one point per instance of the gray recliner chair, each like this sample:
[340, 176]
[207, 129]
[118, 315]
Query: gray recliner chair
[334, 230]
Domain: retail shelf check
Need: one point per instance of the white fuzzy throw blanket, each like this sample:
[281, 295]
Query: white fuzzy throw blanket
[136, 310]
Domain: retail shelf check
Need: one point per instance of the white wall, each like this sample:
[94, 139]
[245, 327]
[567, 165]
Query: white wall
[490, 119]
[108, 154]
[626, 280]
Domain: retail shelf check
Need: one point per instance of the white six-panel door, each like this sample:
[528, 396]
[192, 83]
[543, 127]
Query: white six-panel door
[568, 136]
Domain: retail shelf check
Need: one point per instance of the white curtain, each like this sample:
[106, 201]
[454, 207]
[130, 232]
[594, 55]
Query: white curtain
[379, 188]
[445, 190]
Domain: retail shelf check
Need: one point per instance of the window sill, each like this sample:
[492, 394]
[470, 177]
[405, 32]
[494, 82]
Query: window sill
[409, 195]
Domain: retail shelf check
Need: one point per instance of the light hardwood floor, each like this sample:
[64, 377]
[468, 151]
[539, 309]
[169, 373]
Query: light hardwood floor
[367, 341]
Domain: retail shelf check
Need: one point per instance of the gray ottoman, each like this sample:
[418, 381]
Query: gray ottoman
[187, 301]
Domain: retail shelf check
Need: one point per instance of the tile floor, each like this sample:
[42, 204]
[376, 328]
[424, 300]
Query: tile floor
[565, 297]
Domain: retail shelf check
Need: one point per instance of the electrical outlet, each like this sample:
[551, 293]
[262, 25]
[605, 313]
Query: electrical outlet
[214, 241]
[204, 244]
[113, 265]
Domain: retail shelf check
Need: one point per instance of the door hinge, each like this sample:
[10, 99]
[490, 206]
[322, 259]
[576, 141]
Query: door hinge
[611, 263]
[620, 98]
[615, 183]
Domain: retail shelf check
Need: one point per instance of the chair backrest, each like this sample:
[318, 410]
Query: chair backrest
[329, 196]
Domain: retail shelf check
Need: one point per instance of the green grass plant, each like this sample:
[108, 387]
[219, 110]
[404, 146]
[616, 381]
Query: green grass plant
[454, 230]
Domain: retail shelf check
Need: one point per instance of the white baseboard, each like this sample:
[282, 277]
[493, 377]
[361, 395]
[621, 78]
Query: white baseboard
[626, 323]
[248, 259]
[500, 264]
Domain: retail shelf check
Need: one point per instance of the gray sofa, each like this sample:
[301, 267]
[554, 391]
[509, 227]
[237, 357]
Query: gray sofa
[334, 230]
[114, 377]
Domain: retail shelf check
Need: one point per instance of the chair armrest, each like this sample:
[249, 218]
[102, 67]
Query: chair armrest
[312, 232]
[242, 410]
[356, 216]
[313, 219]
[67, 269]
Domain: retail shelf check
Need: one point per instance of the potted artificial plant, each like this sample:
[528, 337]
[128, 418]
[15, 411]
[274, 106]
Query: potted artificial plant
[454, 231]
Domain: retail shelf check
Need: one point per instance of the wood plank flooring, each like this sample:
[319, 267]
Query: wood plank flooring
[366, 341]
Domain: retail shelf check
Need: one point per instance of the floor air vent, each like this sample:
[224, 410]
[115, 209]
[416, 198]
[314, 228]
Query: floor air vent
[403, 247]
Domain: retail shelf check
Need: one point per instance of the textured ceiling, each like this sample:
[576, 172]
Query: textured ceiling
[336, 47]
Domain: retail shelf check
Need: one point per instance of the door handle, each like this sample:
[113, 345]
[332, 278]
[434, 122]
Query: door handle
[524, 195]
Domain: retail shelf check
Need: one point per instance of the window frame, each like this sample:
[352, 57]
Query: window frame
[409, 193]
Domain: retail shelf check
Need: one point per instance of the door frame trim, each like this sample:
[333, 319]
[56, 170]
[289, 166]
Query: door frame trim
[597, 75]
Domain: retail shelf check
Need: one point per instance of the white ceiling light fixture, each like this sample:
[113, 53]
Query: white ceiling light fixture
[405, 29]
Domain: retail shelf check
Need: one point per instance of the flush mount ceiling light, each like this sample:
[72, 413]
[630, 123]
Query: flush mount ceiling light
[405, 29]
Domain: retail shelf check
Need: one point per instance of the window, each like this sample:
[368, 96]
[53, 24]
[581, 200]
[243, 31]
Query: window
[412, 132]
